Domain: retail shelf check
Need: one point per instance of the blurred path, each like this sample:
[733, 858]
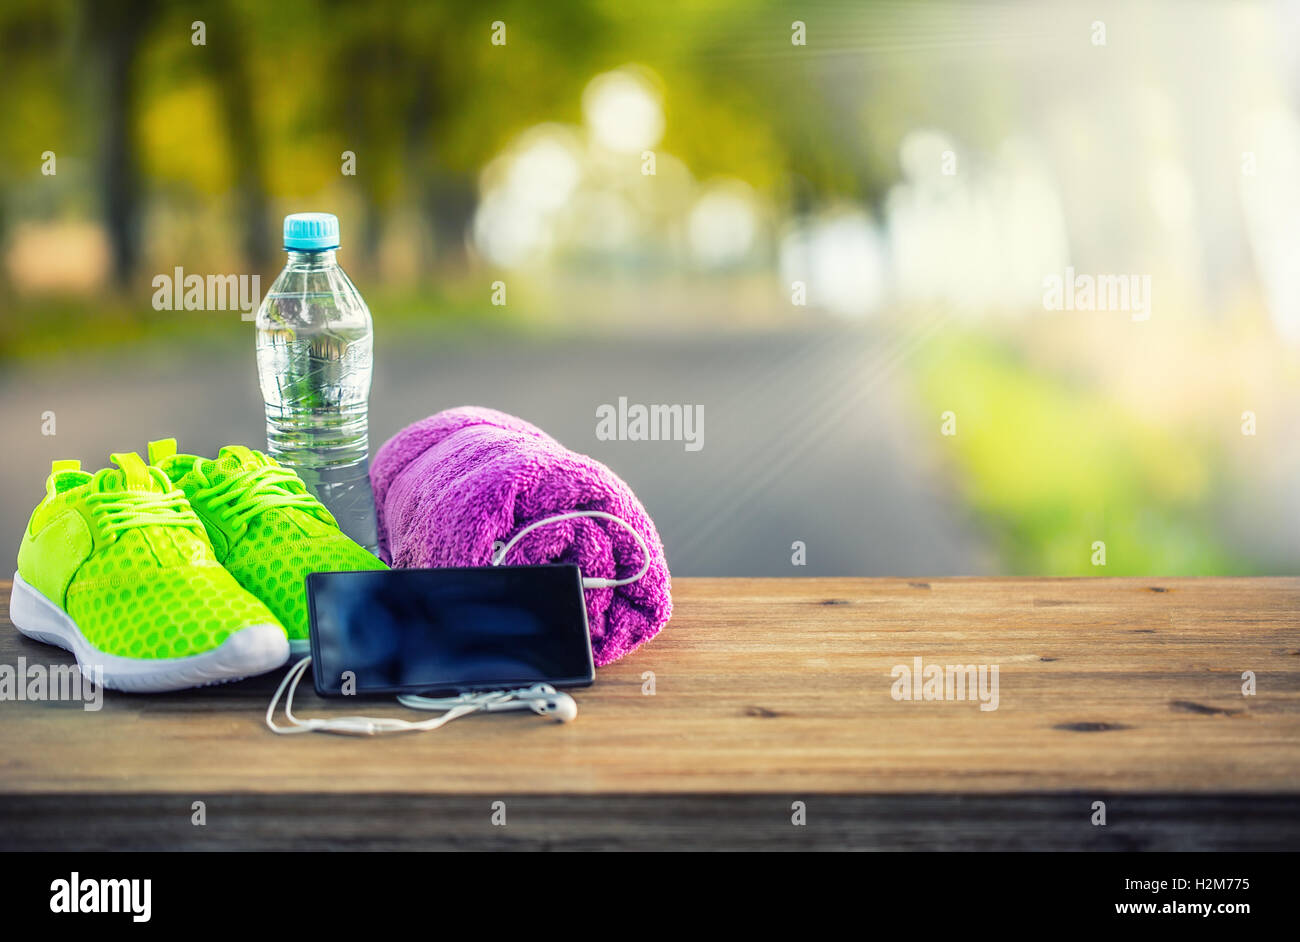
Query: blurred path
[806, 437]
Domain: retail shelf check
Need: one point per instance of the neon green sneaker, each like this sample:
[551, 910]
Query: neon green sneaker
[266, 527]
[116, 567]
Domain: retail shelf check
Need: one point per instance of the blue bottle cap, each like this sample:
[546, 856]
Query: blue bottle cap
[311, 232]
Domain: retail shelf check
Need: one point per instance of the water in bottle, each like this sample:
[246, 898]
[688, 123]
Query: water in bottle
[314, 358]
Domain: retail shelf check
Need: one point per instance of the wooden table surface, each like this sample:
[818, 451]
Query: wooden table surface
[766, 692]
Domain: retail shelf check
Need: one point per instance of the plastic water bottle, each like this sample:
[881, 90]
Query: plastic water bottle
[315, 353]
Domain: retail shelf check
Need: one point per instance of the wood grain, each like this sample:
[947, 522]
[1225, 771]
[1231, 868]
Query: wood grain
[775, 687]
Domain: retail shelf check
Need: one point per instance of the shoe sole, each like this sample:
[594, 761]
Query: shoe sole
[299, 647]
[249, 651]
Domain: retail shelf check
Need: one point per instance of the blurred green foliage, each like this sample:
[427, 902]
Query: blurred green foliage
[50, 327]
[141, 116]
[1049, 467]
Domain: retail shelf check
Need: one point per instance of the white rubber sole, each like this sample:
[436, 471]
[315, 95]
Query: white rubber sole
[299, 647]
[249, 651]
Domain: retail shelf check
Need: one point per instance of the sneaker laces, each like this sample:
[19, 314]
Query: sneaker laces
[116, 510]
[260, 488]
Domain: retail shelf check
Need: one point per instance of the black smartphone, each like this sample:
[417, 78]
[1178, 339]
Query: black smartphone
[445, 631]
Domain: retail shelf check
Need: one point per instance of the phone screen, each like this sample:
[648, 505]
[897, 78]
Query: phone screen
[441, 630]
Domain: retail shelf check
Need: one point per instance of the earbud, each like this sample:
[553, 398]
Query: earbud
[560, 705]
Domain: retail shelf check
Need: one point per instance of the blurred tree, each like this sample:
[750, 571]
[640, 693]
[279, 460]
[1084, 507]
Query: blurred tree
[233, 77]
[32, 99]
[114, 30]
[428, 99]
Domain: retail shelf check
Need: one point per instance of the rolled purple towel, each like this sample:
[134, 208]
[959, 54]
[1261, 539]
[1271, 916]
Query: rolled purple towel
[450, 486]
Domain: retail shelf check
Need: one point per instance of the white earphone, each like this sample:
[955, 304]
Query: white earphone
[542, 699]
[592, 583]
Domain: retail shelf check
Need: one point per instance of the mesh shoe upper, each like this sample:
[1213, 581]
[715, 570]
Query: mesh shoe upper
[267, 529]
[127, 603]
